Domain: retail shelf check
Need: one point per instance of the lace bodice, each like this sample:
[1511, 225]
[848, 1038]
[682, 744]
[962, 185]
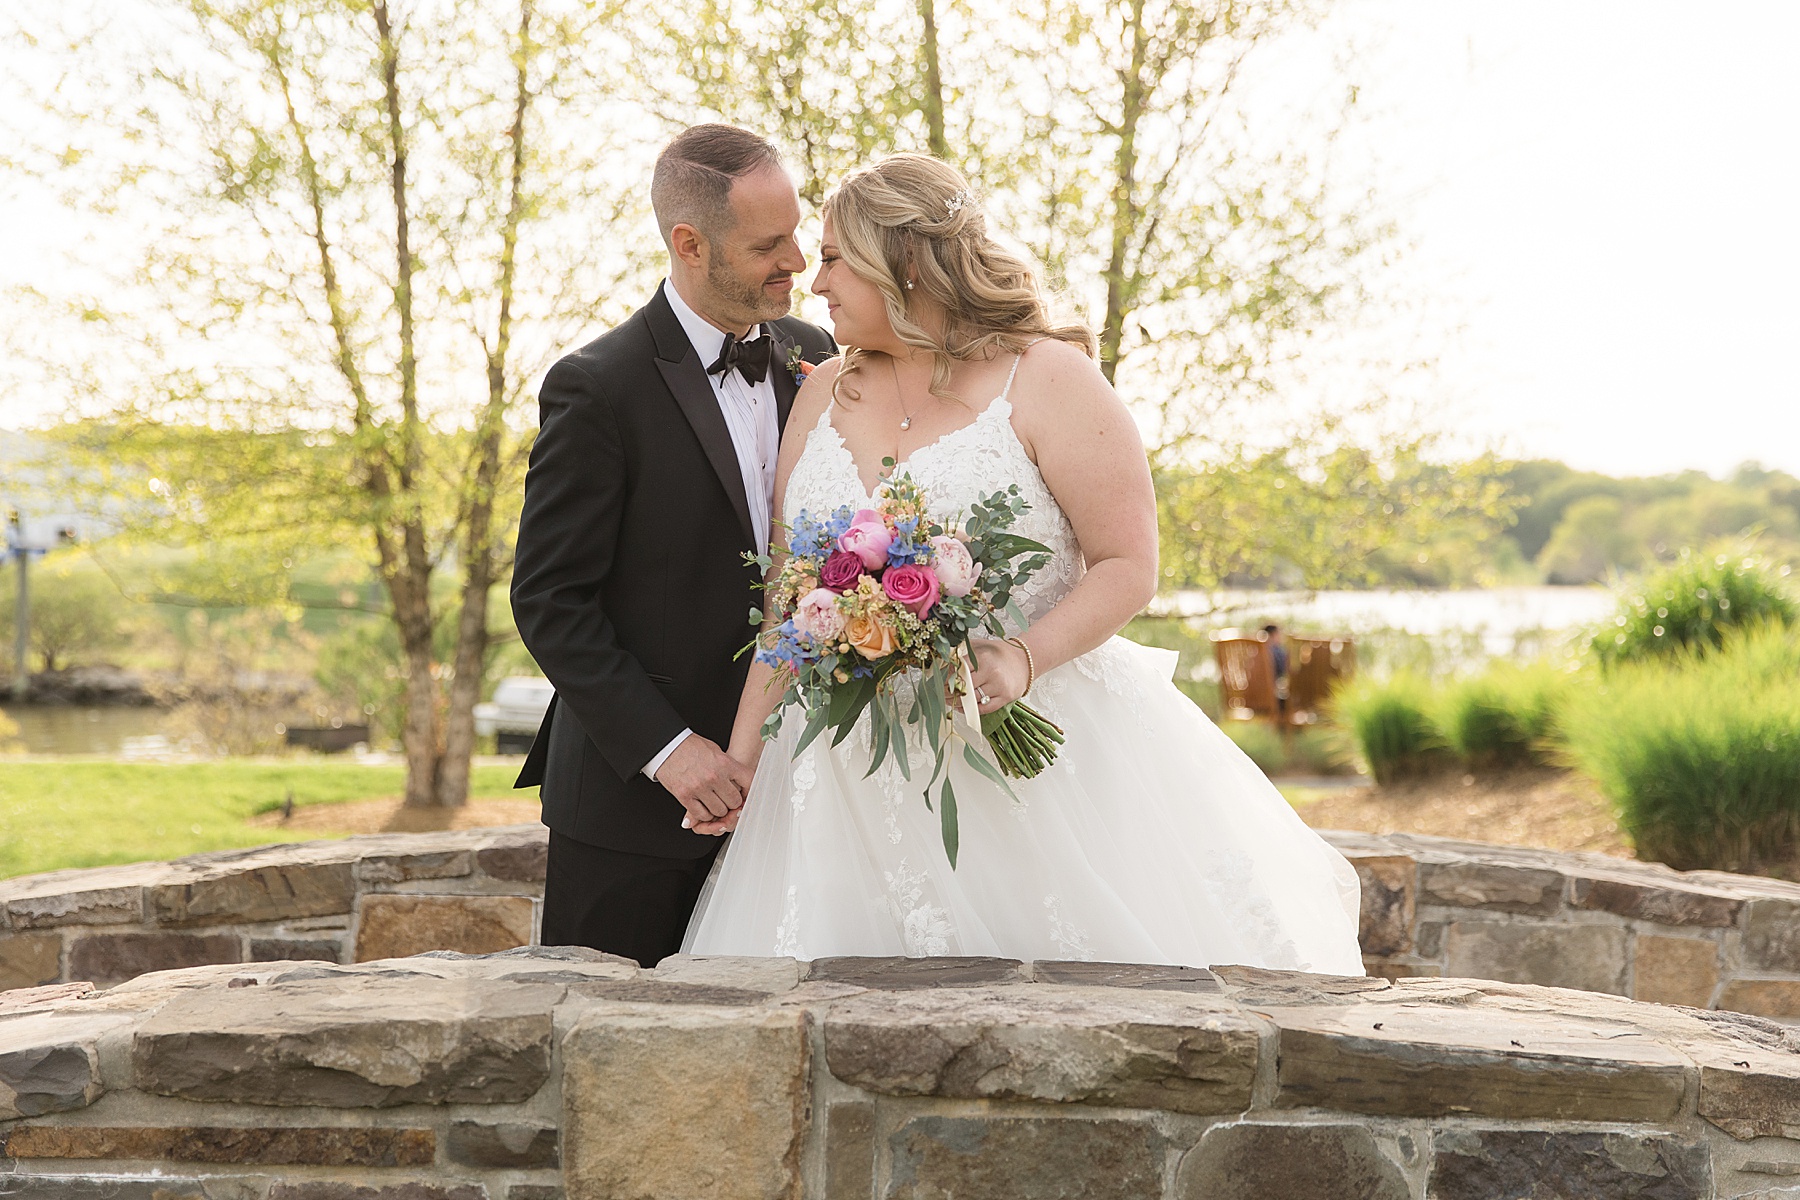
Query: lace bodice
[958, 469]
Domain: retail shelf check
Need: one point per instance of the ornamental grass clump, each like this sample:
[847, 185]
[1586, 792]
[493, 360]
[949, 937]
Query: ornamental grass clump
[1391, 723]
[1700, 751]
[1505, 717]
[1693, 604]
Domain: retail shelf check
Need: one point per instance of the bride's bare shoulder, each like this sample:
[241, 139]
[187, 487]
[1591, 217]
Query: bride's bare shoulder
[1058, 380]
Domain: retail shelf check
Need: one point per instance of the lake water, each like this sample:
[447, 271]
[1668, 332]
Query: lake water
[1429, 633]
[1500, 612]
[84, 729]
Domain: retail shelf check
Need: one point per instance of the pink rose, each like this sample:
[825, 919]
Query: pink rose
[841, 571]
[868, 540]
[954, 565]
[817, 615]
[911, 587]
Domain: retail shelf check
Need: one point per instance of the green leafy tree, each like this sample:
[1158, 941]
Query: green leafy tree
[1110, 136]
[380, 222]
[76, 613]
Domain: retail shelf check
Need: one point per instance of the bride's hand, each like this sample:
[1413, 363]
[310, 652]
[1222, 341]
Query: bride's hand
[1001, 673]
[748, 756]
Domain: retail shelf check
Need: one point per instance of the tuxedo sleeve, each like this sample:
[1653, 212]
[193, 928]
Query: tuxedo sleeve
[575, 491]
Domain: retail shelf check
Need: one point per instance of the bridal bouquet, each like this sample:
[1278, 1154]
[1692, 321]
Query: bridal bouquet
[866, 596]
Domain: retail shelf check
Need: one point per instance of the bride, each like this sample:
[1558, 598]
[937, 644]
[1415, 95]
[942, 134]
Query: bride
[1152, 838]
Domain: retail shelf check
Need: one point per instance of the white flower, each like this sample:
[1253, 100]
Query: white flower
[954, 565]
[817, 615]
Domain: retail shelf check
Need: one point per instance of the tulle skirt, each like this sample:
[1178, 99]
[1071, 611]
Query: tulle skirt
[1152, 839]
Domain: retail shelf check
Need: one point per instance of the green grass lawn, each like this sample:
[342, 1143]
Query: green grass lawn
[89, 814]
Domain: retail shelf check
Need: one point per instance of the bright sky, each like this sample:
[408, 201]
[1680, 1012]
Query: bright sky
[1605, 192]
[1602, 192]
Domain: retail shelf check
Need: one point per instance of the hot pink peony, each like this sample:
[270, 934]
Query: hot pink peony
[818, 617]
[840, 571]
[954, 565]
[868, 540]
[912, 587]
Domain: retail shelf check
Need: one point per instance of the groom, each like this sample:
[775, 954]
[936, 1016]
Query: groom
[652, 475]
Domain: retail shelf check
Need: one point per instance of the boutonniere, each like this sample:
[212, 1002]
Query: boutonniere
[798, 367]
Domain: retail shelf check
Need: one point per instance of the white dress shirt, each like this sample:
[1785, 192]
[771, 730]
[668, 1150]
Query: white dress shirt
[754, 422]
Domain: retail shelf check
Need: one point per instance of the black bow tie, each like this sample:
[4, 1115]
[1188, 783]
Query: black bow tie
[749, 358]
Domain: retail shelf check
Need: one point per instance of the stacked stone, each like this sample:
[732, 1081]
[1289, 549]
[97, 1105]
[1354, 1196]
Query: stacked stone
[353, 900]
[1431, 906]
[534, 1074]
[1434, 906]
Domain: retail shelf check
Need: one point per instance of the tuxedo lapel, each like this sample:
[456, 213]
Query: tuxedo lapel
[685, 374]
[782, 375]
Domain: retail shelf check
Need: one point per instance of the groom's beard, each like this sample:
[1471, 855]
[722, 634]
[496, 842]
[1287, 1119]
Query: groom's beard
[749, 299]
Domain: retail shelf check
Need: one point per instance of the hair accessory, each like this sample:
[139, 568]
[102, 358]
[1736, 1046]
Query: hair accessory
[955, 203]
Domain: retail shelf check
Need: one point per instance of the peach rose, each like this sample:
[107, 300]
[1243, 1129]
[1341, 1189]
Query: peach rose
[871, 636]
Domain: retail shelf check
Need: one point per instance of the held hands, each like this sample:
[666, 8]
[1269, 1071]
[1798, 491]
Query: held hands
[746, 758]
[709, 783]
[1001, 673]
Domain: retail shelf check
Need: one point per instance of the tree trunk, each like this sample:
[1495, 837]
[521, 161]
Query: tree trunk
[465, 690]
[469, 659]
[419, 734]
[1124, 214]
[932, 103]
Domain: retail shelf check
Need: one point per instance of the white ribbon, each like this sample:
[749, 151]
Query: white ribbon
[970, 712]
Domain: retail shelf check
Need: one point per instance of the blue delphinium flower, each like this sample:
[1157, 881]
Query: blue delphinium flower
[791, 648]
[834, 525]
[907, 548]
[804, 536]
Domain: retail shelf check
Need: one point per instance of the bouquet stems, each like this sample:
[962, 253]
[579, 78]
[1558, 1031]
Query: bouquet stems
[1023, 740]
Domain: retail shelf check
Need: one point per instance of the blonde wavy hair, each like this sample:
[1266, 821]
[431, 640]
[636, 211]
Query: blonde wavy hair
[911, 215]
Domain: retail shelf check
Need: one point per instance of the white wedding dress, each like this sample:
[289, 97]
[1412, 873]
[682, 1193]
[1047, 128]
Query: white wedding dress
[1152, 839]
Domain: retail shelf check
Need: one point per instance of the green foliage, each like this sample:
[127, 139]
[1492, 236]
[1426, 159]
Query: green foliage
[1504, 717]
[1700, 751]
[1392, 725]
[88, 814]
[1582, 527]
[1319, 750]
[77, 615]
[1307, 516]
[1692, 605]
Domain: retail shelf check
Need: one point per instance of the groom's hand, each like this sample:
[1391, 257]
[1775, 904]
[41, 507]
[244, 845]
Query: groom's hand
[708, 782]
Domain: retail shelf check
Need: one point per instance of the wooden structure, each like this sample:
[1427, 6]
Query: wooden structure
[1315, 667]
[1249, 688]
[1246, 675]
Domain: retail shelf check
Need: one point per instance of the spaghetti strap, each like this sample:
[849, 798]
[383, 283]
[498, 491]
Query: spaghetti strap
[1014, 373]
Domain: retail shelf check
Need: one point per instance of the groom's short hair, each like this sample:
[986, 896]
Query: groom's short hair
[692, 181]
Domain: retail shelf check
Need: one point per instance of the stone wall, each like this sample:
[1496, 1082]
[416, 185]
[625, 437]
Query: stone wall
[353, 900]
[535, 1074]
[1431, 906]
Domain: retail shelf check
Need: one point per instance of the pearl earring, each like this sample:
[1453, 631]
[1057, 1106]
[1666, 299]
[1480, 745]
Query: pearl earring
[909, 285]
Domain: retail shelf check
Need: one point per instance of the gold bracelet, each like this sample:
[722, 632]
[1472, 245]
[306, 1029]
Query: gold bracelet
[1030, 665]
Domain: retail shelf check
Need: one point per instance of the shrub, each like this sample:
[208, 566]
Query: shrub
[1700, 753]
[1392, 726]
[1316, 750]
[1691, 606]
[1505, 717]
[1259, 740]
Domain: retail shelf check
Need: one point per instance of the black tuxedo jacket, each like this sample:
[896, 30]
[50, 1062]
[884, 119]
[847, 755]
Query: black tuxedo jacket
[630, 587]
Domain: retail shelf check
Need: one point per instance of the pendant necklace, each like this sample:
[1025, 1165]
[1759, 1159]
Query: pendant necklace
[905, 421]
